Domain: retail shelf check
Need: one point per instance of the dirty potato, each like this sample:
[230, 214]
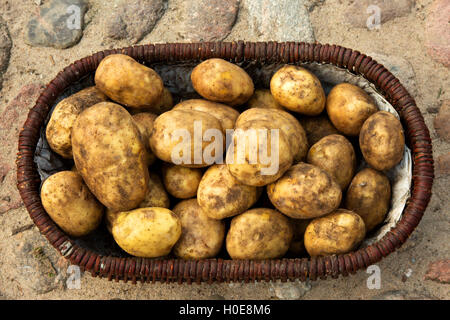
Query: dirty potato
[304, 192]
[129, 83]
[110, 156]
[70, 204]
[147, 232]
[221, 196]
[259, 233]
[257, 155]
[369, 195]
[144, 122]
[173, 135]
[222, 81]
[337, 233]
[59, 127]
[181, 182]
[284, 121]
[298, 90]
[348, 106]
[382, 141]
[335, 155]
[317, 128]
[201, 236]
[262, 98]
[225, 114]
[164, 104]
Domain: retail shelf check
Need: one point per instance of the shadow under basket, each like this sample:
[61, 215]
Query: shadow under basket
[105, 263]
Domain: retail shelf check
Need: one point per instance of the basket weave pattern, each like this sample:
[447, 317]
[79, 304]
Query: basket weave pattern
[219, 270]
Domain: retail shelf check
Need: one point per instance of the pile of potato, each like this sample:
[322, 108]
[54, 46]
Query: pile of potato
[122, 135]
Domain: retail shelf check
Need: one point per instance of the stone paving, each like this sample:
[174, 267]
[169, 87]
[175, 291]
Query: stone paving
[411, 38]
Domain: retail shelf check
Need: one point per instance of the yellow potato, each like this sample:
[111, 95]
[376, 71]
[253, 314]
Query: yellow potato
[262, 98]
[181, 182]
[382, 141]
[284, 121]
[317, 128]
[225, 114]
[110, 156]
[173, 136]
[221, 196]
[163, 105]
[70, 204]
[59, 127]
[129, 83]
[369, 195]
[244, 158]
[298, 90]
[304, 192]
[348, 106]
[221, 81]
[147, 232]
[337, 233]
[201, 236]
[144, 122]
[297, 246]
[335, 155]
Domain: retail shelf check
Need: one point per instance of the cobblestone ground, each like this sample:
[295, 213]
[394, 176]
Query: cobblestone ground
[412, 38]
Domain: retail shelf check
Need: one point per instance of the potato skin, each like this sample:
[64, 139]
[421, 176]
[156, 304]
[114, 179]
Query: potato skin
[262, 98]
[181, 182]
[337, 233]
[304, 192]
[225, 114]
[382, 141]
[284, 121]
[222, 81]
[201, 236]
[110, 156]
[259, 233]
[220, 195]
[70, 204]
[163, 105]
[317, 128]
[335, 155]
[369, 195]
[298, 90]
[256, 174]
[128, 82]
[348, 106]
[147, 232]
[163, 143]
[59, 127]
[144, 122]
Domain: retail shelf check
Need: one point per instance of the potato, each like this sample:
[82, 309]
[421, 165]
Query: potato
[317, 128]
[262, 98]
[244, 158]
[297, 246]
[129, 83]
[110, 156]
[59, 127]
[335, 155]
[70, 204]
[147, 232]
[369, 195]
[382, 141]
[337, 233]
[348, 106]
[222, 81]
[304, 192]
[144, 122]
[259, 233]
[298, 90]
[221, 196]
[163, 105]
[201, 236]
[181, 182]
[225, 114]
[284, 121]
[173, 135]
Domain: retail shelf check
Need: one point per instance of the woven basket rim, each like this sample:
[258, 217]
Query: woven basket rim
[211, 270]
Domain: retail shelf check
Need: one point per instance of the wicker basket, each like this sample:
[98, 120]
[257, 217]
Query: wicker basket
[219, 270]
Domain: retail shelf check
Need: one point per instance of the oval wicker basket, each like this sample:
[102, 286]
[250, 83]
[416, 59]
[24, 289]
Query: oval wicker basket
[210, 270]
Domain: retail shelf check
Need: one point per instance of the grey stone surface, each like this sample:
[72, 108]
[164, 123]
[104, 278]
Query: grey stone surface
[5, 48]
[442, 121]
[289, 290]
[59, 24]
